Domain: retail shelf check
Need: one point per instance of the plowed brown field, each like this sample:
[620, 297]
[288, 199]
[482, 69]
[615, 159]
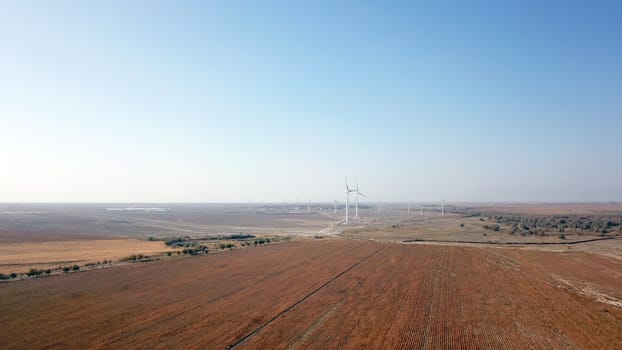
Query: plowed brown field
[326, 294]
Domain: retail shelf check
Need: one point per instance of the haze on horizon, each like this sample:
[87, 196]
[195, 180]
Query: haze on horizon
[230, 101]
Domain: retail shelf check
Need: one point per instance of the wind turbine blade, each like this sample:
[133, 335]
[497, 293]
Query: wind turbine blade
[362, 195]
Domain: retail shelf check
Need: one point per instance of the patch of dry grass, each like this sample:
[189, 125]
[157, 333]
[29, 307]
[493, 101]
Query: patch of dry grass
[20, 257]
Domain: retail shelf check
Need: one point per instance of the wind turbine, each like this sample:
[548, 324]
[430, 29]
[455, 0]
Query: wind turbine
[408, 208]
[348, 190]
[335, 207]
[358, 193]
[443, 207]
[308, 204]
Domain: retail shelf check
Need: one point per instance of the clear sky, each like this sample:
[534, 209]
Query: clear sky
[230, 101]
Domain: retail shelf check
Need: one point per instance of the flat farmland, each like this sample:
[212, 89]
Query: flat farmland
[330, 293]
[20, 257]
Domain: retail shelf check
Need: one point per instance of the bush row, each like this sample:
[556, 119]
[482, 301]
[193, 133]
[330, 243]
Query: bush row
[134, 257]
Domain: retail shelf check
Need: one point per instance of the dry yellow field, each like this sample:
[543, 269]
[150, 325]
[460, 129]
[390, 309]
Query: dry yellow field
[20, 257]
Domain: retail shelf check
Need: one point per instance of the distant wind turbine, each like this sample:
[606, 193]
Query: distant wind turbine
[358, 193]
[348, 190]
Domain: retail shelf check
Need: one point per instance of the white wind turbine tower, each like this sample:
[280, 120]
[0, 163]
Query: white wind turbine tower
[358, 193]
[348, 190]
[335, 207]
[443, 207]
[308, 204]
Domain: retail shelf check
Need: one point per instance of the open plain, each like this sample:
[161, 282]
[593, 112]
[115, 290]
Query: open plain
[327, 293]
[58, 222]
[504, 277]
[48, 236]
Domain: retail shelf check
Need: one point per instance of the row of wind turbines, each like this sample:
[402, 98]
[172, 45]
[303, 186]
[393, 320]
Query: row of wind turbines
[358, 193]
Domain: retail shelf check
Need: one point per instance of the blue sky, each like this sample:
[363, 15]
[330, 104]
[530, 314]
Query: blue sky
[255, 100]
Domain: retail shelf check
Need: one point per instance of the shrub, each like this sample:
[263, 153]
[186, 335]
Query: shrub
[562, 236]
[239, 236]
[75, 268]
[222, 246]
[177, 241]
[34, 272]
[7, 276]
[66, 268]
[461, 225]
[169, 253]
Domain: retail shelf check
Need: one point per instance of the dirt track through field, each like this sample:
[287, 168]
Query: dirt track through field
[327, 294]
[256, 331]
[507, 243]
